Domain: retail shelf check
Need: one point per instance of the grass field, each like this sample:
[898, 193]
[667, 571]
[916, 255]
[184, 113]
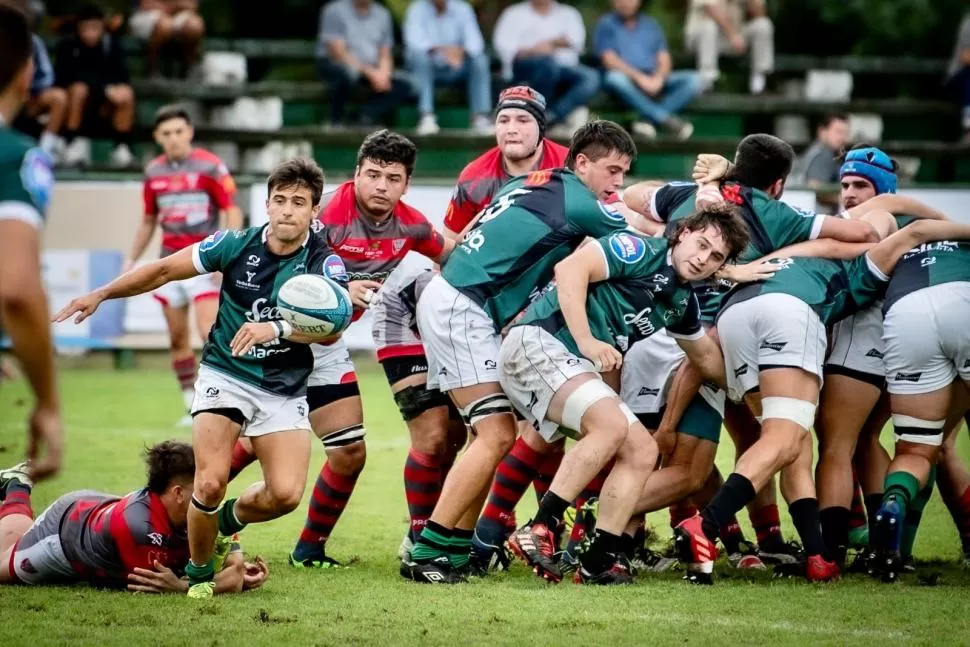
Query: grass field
[111, 415]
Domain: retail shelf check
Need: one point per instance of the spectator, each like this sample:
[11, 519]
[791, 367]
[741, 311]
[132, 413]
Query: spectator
[633, 50]
[47, 103]
[819, 164]
[444, 44]
[717, 27]
[958, 74]
[160, 22]
[91, 66]
[539, 42]
[354, 48]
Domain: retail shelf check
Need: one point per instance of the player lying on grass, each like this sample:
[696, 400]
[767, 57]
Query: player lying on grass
[254, 365]
[137, 541]
[608, 295]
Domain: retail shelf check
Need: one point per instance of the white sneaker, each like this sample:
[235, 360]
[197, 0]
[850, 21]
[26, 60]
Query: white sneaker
[18, 472]
[756, 84]
[78, 153]
[121, 156]
[428, 125]
[52, 144]
[481, 125]
[644, 129]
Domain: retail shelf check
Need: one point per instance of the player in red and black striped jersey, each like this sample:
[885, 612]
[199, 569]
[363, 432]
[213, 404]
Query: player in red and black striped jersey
[137, 541]
[188, 192]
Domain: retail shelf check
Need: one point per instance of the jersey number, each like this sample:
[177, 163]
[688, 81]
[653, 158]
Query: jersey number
[501, 204]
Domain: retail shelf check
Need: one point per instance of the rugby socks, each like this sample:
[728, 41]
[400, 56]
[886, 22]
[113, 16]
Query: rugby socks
[198, 574]
[547, 471]
[767, 526]
[857, 512]
[731, 536]
[963, 514]
[16, 500]
[551, 511]
[681, 511]
[835, 531]
[601, 553]
[914, 514]
[229, 523]
[422, 487]
[903, 486]
[185, 372]
[241, 457]
[435, 541]
[805, 516]
[331, 493]
[459, 547]
[512, 479]
[736, 493]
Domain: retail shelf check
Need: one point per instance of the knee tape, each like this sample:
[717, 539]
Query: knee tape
[801, 412]
[490, 405]
[917, 430]
[412, 401]
[343, 437]
[588, 394]
[628, 412]
[208, 510]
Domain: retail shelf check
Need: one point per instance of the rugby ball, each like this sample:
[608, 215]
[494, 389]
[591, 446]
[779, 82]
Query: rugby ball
[315, 305]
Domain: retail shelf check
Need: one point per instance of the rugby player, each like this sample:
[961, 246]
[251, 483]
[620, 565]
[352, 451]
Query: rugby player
[254, 365]
[26, 184]
[533, 223]
[773, 336]
[190, 193]
[137, 541]
[609, 294]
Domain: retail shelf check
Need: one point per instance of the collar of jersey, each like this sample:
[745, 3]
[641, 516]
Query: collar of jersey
[266, 233]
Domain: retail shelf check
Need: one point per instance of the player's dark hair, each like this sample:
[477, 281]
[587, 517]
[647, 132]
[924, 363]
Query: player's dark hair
[385, 147]
[298, 172]
[173, 111]
[89, 11]
[16, 46]
[829, 117]
[599, 138]
[761, 160]
[724, 217]
[166, 461]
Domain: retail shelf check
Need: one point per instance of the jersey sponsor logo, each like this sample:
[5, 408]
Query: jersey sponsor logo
[660, 281]
[212, 240]
[874, 352]
[474, 241]
[773, 345]
[908, 377]
[260, 311]
[248, 283]
[741, 370]
[211, 393]
[610, 211]
[253, 260]
[353, 249]
[334, 268]
[538, 178]
[156, 538]
[641, 321]
[648, 391]
[37, 177]
[627, 248]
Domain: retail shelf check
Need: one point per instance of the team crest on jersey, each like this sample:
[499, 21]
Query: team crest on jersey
[610, 212]
[212, 240]
[334, 268]
[398, 244]
[37, 177]
[627, 248]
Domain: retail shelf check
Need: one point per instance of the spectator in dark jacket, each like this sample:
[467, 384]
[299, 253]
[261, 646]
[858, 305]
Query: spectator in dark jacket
[91, 66]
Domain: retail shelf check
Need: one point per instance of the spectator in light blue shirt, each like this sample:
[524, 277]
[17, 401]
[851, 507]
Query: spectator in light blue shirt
[633, 50]
[444, 45]
[46, 108]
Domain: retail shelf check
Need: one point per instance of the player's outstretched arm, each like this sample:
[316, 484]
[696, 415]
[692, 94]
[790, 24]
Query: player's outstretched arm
[896, 204]
[705, 354]
[142, 237]
[176, 267]
[887, 253]
[160, 579]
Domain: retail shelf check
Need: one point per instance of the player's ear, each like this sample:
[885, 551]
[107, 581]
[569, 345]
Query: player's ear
[407, 184]
[315, 211]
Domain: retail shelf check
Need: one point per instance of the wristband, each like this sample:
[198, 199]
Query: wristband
[286, 328]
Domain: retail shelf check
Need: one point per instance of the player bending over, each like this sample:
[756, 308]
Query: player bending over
[609, 294]
[254, 366]
[137, 541]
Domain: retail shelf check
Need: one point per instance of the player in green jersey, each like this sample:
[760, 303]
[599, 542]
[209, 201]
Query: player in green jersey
[533, 223]
[611, 293]
[26, 183]
[254, 367]
[773, 337]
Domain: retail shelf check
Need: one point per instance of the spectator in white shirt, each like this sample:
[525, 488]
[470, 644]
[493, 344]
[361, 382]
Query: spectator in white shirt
[539, 42]
[444, 45]
[716, 27]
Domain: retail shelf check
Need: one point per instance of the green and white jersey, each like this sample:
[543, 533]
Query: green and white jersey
[534, 222]
[930, 264]
[772, 224]
[252, 276]
[833, 289]
[640, 296]
[26, 179]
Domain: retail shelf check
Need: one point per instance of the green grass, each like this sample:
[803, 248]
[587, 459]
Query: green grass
[111, 415]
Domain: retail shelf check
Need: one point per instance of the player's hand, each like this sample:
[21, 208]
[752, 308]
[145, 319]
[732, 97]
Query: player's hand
[83, 307]
[160, 580]
[250, 335]
[46, 443]
[362, 292]
[257, 572]
[604, 357]
[709, 167]
[666, 439]
[749, 272]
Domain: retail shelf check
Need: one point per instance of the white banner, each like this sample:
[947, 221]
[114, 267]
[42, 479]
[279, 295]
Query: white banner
[66, 277]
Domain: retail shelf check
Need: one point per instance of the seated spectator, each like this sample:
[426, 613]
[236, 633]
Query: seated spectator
[91, 67]
[47, 104]
[160, 22]
[633, 50]
[354, 48]
[958, 74]
[539, 42]
[819, 164]
[444, 44]
[732, 27]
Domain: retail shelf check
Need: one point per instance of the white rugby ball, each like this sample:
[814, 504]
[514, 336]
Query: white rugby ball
[315, 305]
